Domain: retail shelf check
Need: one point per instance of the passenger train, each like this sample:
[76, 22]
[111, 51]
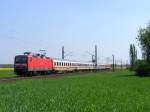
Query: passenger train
[32, 64]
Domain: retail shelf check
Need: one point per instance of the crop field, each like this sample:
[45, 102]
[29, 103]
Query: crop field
[94, 92]
[6, 69]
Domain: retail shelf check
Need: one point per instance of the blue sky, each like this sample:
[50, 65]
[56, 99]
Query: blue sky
[30, 25]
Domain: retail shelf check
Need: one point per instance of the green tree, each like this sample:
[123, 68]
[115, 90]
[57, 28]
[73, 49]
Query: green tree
[133, 56]
[144, 40]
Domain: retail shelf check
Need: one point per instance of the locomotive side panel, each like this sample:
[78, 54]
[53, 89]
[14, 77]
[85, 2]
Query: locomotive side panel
[40, 64]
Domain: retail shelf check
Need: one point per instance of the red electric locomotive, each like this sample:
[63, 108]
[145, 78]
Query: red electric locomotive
[32, 63]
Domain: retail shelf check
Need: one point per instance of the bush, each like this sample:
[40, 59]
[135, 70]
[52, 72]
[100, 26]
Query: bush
[142, 68]
[132, 67]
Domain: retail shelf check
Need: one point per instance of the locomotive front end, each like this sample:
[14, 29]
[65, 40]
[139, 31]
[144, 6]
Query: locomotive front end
[20, 64]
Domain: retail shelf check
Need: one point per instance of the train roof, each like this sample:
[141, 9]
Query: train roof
[71, 61]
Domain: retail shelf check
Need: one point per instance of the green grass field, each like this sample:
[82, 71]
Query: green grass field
[94, 92]
[7, 73]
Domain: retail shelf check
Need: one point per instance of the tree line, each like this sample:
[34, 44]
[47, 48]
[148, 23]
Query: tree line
[142, 66]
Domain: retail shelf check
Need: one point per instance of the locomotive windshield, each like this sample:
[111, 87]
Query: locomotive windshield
[21, 60]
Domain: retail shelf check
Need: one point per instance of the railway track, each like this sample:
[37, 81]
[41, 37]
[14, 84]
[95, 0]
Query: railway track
[15, 78]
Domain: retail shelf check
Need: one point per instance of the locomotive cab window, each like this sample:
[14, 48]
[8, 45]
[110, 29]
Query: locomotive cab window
[21, 60]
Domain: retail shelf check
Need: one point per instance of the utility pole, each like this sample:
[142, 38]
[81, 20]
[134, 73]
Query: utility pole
[96, 57]
[126, 64]
[63, 53]
[121, 65]
[113, 66]
[93, 60]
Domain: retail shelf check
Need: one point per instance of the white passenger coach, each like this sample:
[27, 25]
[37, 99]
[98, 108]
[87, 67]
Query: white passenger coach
[67, 65]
